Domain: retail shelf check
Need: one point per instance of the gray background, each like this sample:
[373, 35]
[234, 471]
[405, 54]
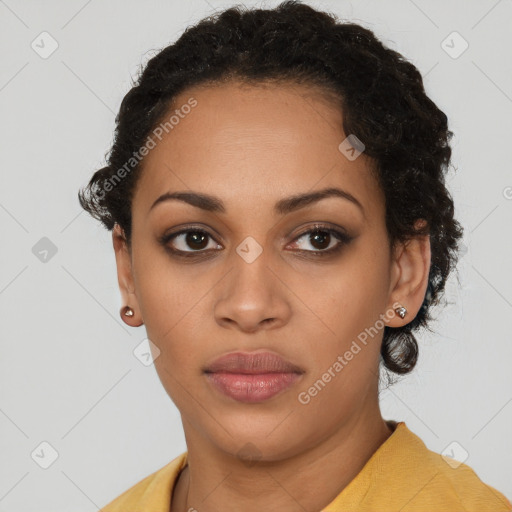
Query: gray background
[68, 373]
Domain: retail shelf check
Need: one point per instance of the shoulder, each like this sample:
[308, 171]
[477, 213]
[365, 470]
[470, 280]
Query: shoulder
[458, 483]
[439, 481]
[152, 493]
[403, 474]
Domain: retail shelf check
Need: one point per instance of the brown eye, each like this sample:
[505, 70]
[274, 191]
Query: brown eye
[322, 240]
[190, 241]
[196, 239]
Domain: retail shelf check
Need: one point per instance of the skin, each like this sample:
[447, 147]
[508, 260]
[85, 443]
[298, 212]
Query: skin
[252, 146]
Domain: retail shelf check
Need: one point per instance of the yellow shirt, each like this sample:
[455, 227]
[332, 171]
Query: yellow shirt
[403, 475]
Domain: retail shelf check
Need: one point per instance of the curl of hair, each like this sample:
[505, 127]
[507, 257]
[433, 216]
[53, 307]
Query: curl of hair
[383, 102]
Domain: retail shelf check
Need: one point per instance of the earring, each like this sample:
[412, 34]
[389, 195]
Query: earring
[127, 311]
[401, 311]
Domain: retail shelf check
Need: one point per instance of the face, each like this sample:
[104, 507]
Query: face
[252, 270]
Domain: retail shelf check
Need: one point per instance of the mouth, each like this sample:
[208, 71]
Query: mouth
[252, 377]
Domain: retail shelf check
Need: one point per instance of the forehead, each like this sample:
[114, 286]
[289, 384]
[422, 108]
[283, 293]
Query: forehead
[249, 144]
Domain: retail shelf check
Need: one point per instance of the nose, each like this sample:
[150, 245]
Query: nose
[252, 297]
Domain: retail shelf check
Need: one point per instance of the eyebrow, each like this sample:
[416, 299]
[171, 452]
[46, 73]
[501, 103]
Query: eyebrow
[283, 206]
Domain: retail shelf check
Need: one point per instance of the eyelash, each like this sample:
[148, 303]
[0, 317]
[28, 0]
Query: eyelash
[342, 237]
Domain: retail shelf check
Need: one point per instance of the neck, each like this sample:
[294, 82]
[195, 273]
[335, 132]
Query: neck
[310, 480]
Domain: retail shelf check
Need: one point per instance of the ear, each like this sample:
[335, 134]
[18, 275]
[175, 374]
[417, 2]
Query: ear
[408, 286]
[125, 277]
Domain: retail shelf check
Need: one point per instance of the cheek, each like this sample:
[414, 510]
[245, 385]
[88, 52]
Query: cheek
[345, 358]
[349, 297]
[345, 335]
[169, 294]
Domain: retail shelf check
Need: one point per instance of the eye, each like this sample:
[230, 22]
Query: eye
[323, 239]
[192, 238]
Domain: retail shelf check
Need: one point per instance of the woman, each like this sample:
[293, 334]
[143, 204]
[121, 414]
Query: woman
[281, 228]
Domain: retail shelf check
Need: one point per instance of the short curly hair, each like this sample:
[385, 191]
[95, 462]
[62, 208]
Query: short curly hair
[384, 105]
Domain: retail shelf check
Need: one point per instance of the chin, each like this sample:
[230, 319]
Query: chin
[262, 440]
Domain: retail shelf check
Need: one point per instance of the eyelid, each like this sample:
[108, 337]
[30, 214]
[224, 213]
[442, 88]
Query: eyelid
[179, 230]
[324, 226]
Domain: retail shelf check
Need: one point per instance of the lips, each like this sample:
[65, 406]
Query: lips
[252, 377]
[252, 363]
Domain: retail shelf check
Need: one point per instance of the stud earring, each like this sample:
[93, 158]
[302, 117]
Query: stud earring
[127, 311]
[401, 311]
